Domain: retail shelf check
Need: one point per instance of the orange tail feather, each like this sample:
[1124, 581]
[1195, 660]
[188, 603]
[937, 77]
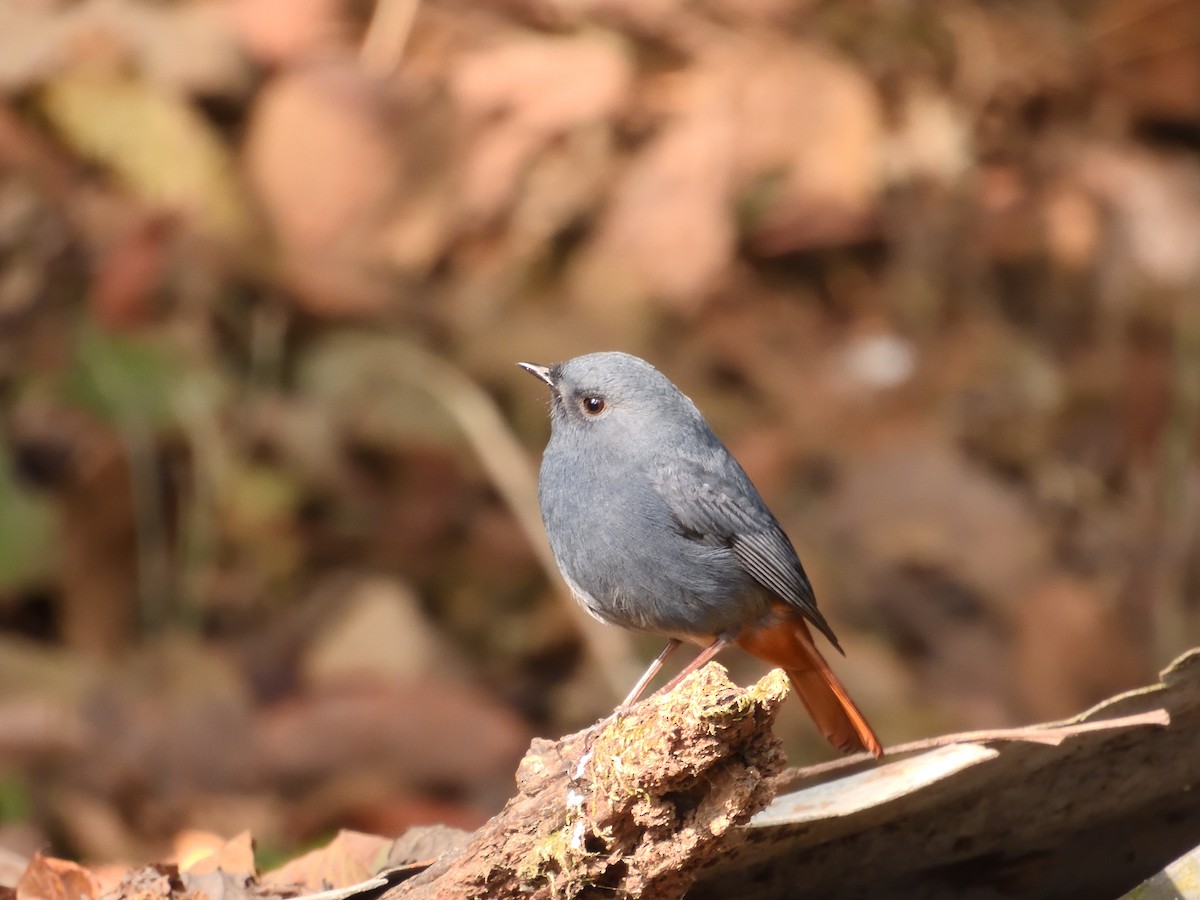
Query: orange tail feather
[788, 644]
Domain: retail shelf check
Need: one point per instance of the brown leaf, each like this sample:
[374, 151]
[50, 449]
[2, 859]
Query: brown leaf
[521, 94]
[930, 141]
[1073, 226]
[282, 31]
[378, 631]
[191, 846]
[184, 45]
[648, 18]
[349, 858]
[56, 879]
[1149, 51]
[669, 229]
[352, 204]
[809, 125]
[1154, 198]
[320, 153]
[235, 856]
[130, 273]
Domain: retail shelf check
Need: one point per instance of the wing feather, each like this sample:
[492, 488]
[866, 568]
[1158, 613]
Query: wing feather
[726, 508]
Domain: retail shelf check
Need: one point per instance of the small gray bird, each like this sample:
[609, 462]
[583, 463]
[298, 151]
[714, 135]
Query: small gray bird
[656, 528]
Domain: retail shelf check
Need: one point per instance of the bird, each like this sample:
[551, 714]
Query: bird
[656, 528]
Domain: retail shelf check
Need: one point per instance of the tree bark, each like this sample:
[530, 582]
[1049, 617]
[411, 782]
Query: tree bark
[633, 806]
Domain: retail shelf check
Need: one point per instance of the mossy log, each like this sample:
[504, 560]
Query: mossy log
[633, 806]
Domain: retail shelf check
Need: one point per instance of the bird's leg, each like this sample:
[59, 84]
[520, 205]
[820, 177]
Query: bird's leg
[648, 676]
[701, 658]
[616, 714]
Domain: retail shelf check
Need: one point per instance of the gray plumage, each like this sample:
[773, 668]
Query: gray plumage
[654, 525]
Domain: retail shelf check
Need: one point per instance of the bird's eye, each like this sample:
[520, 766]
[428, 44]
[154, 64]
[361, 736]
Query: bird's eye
[593, 406]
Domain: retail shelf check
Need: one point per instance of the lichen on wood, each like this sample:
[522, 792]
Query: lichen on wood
[632, 806]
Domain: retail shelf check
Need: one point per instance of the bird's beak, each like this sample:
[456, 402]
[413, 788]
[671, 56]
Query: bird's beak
[542, 372]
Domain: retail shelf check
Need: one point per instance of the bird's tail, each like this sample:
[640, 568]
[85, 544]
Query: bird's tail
[787, 643]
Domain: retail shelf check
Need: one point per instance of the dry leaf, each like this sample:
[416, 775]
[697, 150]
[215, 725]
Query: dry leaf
[521, 94]
[349, 858]
[669, 230]
[156, 143]
[235, 857]
[1149, 50]
[191, 846]
[184, 46]
[216, 885]
[289, 31]
[809, 127]
[130, 273]
[377, 631]
[353, 182]
[321, 154]
[931, 140]
[1155, 198]
[1073, 226]
[56, 879]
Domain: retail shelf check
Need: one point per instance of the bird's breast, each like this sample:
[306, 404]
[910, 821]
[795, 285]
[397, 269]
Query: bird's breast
[627, 562]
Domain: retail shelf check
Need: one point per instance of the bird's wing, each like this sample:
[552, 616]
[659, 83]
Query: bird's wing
[719, 504]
